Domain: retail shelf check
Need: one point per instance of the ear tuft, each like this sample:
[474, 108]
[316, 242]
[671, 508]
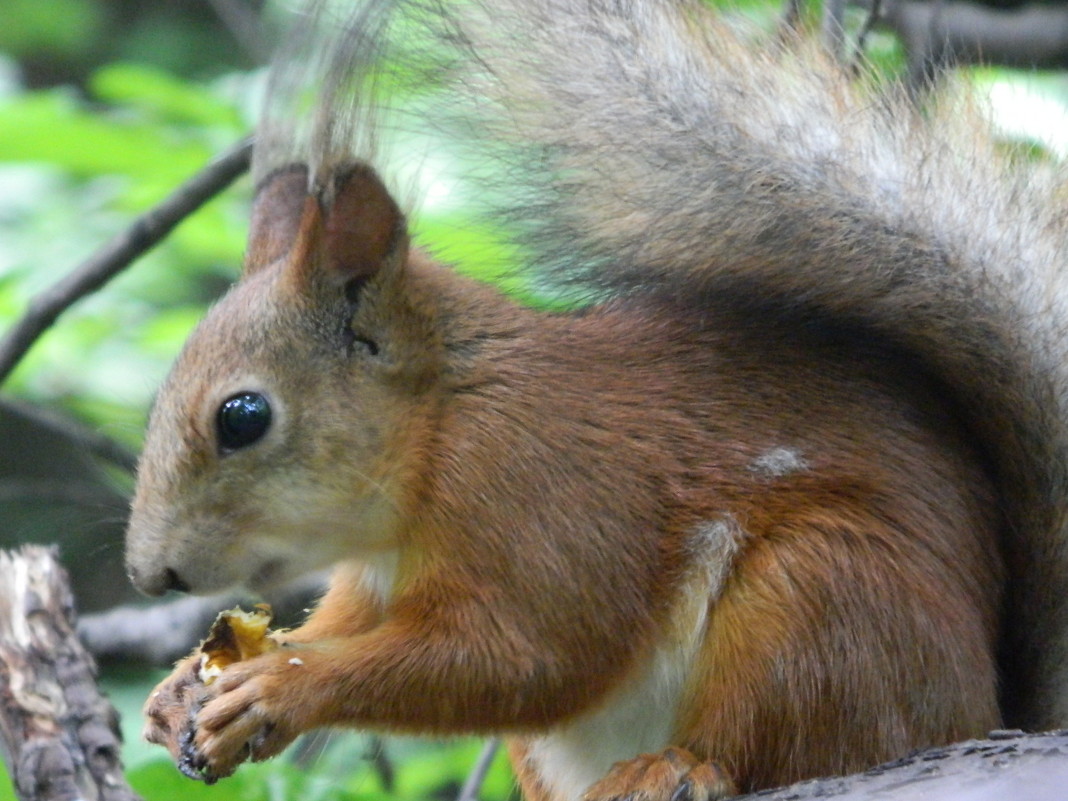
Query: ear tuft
[363, 226]
[276, 216]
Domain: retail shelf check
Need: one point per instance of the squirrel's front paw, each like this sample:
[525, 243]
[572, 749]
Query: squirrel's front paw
[252, 712]
[672, 775]
[172, 705]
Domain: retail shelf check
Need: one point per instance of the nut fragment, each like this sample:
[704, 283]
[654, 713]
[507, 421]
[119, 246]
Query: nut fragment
[236, 635]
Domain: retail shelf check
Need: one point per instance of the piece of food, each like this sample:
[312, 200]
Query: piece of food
[235, 635]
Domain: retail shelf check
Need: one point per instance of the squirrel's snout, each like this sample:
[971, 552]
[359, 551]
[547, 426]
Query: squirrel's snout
[173, 581]
[158, 582]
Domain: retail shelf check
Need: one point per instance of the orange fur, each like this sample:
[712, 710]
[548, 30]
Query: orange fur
[540, 483]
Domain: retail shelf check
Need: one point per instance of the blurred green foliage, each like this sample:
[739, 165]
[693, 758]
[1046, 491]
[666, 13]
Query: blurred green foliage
[335, 766]
[74, 169]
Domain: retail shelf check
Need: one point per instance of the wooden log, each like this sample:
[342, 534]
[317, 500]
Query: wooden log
[1008, 765]
[58, 736]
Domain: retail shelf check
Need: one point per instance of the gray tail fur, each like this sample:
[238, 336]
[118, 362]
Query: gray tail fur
[651, 148]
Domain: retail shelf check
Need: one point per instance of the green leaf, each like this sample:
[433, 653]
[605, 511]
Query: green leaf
[485, 254]
[51, 126]
[421, 774]
[7, 790]
[164, 95]
[58, 27]
[166, 332]
[276, 780]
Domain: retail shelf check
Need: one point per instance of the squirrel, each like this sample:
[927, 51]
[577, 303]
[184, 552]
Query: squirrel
[786, 498]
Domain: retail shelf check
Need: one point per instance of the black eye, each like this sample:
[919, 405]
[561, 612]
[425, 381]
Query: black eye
[242, 420]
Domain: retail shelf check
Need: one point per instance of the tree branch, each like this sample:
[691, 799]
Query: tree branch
[59, 737]
[1010, 764]
[941, 33]
[168, 630]
[473, 784]
[117, 254]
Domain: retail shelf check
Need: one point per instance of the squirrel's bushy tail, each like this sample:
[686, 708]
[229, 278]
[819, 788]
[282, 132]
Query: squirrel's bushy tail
[664, 152]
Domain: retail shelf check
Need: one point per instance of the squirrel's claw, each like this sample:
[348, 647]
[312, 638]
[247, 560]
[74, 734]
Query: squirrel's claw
[671, 775]
[240, 722]
[172, 705]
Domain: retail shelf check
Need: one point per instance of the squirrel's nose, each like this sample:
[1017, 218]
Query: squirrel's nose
[158, 582]
[174, 581]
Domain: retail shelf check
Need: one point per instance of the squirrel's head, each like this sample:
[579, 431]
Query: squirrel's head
[273, 445]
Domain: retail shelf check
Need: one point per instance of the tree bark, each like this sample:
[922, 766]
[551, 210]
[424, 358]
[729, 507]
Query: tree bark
[1009, 765]
[58, 736]
[1034, 36]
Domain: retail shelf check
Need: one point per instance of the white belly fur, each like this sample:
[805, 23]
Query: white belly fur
[639, 716]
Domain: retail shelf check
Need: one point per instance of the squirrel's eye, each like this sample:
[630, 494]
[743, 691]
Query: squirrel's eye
[242, 420]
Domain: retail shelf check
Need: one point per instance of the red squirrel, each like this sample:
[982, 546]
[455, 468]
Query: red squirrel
[788, 499]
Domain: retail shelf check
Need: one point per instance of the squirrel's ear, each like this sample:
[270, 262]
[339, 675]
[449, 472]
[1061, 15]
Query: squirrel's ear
[345, 230]
[277, 210]
[362, 227]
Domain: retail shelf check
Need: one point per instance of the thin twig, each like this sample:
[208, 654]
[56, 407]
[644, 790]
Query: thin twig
[471, 788]
[381, 763]
[120, 252]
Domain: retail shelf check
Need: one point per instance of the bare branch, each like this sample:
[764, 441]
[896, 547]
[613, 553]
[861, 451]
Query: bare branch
[117, 254]
[58, 735]
[1034, 36]
[165, 631]
[159, 634]
[473, 784]
[1009, 764]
